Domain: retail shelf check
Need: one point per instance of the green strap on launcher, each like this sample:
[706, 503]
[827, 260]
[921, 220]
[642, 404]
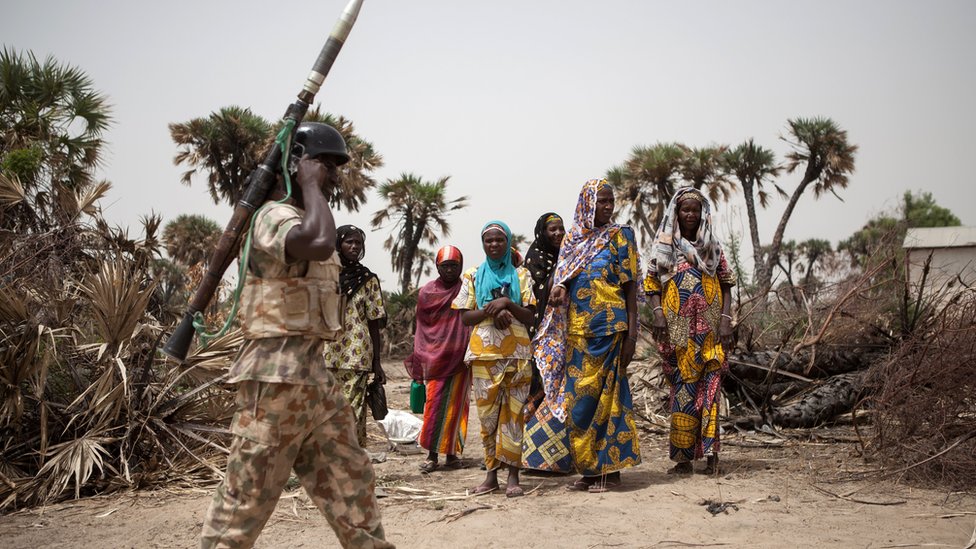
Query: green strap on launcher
[283, 140]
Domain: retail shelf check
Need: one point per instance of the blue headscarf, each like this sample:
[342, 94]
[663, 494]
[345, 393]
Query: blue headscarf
[499, 273]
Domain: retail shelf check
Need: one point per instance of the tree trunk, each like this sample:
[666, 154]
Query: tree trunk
[649, 231]
[406, 257]
[757, 255]
[410, 253]
[837, 396]
[765, 284]
[827, 362]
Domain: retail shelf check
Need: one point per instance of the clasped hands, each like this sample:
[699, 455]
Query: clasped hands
[497, 309]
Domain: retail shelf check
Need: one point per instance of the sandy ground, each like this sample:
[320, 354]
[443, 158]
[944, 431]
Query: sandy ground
[779, 493]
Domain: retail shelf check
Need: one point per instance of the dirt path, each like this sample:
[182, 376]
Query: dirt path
[772, 491]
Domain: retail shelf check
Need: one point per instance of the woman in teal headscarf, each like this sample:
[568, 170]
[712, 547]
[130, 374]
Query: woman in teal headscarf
[497, 299]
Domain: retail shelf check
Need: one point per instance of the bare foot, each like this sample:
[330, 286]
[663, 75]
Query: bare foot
[512, 488]
[490, 484]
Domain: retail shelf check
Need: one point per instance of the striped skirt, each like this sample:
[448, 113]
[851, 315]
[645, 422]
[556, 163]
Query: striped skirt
[446, 414]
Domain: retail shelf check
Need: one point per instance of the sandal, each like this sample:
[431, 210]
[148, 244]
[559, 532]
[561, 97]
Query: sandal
[480, 490]
[683, 468]
[711, 465]
[604, 483]
[581, 484]
[428, 466]
[454, 464]
[514, 492]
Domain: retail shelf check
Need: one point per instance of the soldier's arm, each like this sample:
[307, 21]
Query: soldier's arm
[313, 239]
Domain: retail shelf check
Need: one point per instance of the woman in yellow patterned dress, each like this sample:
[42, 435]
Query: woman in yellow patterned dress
[497, 299]
[689, 288]
[587, 339]
[356, 354]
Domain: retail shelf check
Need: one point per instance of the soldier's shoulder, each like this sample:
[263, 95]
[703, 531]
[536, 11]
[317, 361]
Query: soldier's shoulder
[275, 213]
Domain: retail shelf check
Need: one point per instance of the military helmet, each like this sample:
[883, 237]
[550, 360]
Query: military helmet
[315, 138]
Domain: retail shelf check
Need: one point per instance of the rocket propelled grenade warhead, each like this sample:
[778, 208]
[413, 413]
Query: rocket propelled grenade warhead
[331, 49]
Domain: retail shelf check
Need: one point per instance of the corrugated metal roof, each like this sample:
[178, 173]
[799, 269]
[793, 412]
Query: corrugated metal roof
[940, 237]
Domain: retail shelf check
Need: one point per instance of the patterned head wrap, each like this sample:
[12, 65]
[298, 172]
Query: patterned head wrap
[583, 242]
[497, 273]
[449, 253]
[691, 194]
[669, 246]
[354, 275]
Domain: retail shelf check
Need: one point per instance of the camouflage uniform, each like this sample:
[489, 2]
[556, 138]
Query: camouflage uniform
[290, 415]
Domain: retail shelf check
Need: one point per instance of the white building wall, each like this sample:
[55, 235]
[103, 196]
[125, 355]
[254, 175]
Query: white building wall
[947, 264]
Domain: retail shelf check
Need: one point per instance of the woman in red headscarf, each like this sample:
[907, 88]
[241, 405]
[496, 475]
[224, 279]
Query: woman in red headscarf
[439, 344]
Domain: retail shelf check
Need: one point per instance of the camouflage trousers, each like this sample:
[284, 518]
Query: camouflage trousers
[354, 384]
[311, 429]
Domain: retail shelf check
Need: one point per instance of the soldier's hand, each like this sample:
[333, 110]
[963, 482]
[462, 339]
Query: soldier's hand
[311, 173]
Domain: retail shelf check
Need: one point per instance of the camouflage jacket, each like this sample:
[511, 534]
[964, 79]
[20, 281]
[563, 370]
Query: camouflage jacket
[266, 356]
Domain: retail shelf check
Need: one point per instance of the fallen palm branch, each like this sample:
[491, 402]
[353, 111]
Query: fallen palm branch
[856, 500]
[451, 517]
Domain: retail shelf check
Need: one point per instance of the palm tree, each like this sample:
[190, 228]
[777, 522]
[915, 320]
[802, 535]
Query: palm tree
[814, 250]
[787, 262]
[752, 165]
[355, 179]
[820, 147]
[633, 197]
[646, 182]
[418, 210]
[425, 259]
[520, 242]
[704, 168]
[228, 144]
[51, 125]
[191, 238]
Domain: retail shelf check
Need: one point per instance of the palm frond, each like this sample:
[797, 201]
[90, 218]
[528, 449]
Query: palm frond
[12, 191]
[118, 300]
[74, 461]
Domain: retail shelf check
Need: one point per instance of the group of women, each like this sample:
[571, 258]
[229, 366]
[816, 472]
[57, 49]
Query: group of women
[546, 345]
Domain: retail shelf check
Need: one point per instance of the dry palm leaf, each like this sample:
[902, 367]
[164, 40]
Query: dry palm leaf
[88, 203]
[118, 301]
[74, 460]
[11, 191]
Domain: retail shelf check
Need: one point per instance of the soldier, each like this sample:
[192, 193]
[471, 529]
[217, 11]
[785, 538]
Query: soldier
[290, 410]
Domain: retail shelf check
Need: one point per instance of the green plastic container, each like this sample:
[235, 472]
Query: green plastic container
[418, 397]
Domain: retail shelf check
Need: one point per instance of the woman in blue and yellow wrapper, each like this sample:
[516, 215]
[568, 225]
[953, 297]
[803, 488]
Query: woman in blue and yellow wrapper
[588, 337]
[689, 288]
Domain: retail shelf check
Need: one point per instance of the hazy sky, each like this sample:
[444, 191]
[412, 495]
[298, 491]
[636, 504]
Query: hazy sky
[521, 102]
